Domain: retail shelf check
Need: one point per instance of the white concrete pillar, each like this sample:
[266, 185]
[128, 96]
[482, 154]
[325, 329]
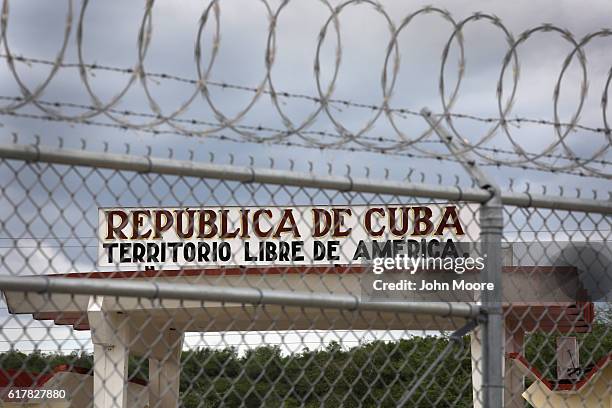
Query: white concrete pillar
[110, 336]
[165, 370]
[477, 367]
[110, 376]
[514, 380]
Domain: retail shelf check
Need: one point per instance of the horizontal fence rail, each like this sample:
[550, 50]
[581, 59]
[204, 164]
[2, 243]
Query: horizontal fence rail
[256, 296]
[158, 165]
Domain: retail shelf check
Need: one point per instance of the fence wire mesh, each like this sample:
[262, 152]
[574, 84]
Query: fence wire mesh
[200, 252]
[252, 355]
[273, 355]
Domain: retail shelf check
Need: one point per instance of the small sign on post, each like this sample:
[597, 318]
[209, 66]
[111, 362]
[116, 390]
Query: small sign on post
[568, 362]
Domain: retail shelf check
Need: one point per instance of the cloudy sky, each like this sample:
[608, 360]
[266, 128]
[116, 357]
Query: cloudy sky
[109, 37]
[110, 33]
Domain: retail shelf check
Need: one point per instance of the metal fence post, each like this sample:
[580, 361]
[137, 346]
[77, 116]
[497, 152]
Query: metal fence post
[491, 226]
[491, 230]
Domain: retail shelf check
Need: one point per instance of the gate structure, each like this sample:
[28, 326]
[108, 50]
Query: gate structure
[82, 325]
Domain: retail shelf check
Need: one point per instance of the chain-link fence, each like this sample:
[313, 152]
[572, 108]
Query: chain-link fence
[295, 332]
[135, 278]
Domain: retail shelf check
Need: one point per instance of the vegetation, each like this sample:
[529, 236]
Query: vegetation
[377, 373]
